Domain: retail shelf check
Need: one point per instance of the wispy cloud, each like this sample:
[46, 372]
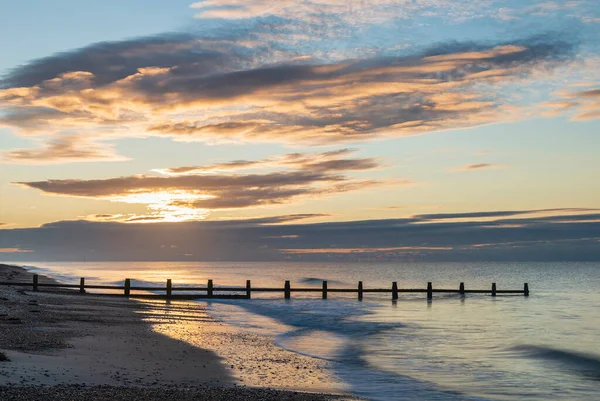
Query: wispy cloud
[572, 213]
[323, 161]
[582, 105]
[15, 250]
[349, 251]
[189, 193]
[313, 12]
[589, 105]
[63, 149]
[478, 166]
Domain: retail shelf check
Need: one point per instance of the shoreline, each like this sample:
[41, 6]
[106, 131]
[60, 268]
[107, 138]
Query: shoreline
[75, 344]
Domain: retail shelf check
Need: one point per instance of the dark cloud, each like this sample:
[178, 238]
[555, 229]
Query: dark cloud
[236, 89]
[138, 184]
[444, 216]
[533, 237]
[592, 93]
[581, 214]
[299, 175]
[109, 62]
[478, 166]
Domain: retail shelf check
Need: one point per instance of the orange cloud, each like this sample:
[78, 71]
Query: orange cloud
[583, 105]
[193, 89]
[192, 192]
[63, 149]
[14, 250]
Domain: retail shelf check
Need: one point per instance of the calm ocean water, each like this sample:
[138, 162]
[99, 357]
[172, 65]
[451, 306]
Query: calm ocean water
[544, 347]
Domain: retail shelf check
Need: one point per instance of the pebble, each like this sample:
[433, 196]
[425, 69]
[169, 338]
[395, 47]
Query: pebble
[163, 393]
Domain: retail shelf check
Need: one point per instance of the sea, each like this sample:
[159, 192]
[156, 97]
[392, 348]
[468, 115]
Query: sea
[474, 347]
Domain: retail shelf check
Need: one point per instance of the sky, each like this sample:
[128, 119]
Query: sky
[300, 130]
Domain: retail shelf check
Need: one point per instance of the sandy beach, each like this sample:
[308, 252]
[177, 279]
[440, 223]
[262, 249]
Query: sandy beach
[71, 346]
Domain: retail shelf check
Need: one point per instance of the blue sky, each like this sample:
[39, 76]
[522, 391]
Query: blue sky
[144, 112]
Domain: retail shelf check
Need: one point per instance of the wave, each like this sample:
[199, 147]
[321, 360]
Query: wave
[583, 364]
[374, 384]
[316, 280]
[134, 282]
[336, 316]
[60, 277]
[335, 331]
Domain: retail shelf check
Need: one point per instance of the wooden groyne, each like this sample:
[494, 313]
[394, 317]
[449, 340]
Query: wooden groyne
[210, 291]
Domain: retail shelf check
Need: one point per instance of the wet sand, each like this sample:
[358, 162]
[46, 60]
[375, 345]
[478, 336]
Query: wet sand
[90, 347]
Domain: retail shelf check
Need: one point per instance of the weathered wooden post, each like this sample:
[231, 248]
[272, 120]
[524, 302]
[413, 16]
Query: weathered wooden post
[169, 288]
[360, 290]
[209, 288]
[429, 290]
[287, 289]
[493, 289]
[394, 291]
[82, 285]
[35, 282]
[461, 288]
[127, 287]
[248, 289]
[526, 289]
[324, 289]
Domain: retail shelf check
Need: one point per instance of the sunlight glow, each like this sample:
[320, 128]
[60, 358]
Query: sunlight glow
[165, 206]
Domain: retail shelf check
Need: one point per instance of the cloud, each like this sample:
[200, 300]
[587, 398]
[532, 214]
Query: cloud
[190, 193]
[571, 212]
[236, 89]
[323, 161]
[335, 12]
[478, 166]
[133, 218]
[589, 102]
[582, 105]
[524, 235]
[105, 63]
[63, 150]
[346, 251]
[312, 10]
[14, 250]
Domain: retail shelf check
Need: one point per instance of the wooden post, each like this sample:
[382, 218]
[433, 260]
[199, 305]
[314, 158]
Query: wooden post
[394, 291]
[209, 288]
[493, 289]
[526, 289]
[461, 289]
[35, 282]
[169, 288]
[127, 287]
[248, 289]
[287, 289]
[360, 290]
[429, 290]
[324, 289]
[82, 285]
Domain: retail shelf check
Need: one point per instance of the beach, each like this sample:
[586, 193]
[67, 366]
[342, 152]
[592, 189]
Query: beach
[69, 346]
[450, 348]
